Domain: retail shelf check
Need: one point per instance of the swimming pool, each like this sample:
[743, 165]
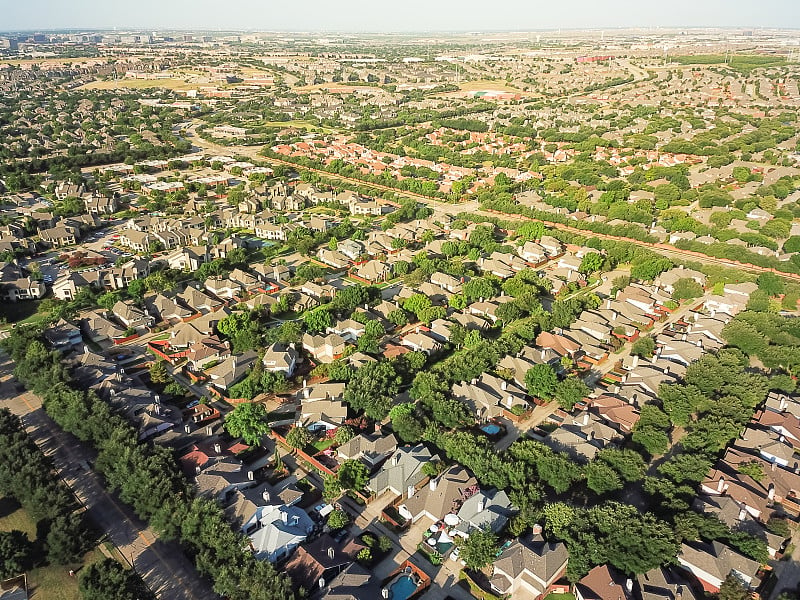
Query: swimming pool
[403, 588]
[491, 429]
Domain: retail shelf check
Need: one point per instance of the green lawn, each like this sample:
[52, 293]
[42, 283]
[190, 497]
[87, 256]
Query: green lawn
[24, 311]
[321, 445]
[13, 517]
[554, 596]
[44, 583]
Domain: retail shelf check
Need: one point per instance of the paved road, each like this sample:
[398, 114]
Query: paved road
[163, 566]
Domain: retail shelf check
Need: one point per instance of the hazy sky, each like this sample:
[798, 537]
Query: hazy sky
[397, 15]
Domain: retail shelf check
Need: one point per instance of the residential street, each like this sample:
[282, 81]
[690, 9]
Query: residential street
[163, 566]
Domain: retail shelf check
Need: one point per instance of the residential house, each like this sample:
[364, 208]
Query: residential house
[402, 472]
[441, 496]
[484, 510]
[712, 563]
[316, 564]
[373, 271]
[603, 583]
[321, 407]
[528, 568]
[371, 449]
[231, 370]
[326, 349]
[275, 531]
[63, 336]
[489, 395]
[664, 583]
[282, 358]
[131, 315]
[223, 287]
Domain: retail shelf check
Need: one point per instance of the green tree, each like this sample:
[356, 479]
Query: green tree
[66, 540]
[318, 320]
[686, 289]
[541, 381]
[298, 437]
[601, 478]
[159, 372]
[770, 283]
[108, 579]
[732, 589]
[16, 552]
[570, 391]
[644, 347]
[338, 519]
[479, 549]
[248, 421]
[416, 303]
[373, 388]
[591, 263]
[344, 434]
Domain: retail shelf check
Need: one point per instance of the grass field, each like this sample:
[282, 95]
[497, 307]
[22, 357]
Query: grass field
[24, 311]
[740, 62]
[44, 583]
[139, 84]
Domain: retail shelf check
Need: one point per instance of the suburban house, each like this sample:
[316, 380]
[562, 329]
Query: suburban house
[402, 472]
[440, 496]
[489, 395]
[231, 370]
[712, 563]
[603, 583]
[321, 408]
[281, 358]
[317, 563]
[528, 568]
[276, 530]
[326, 349]
[371, 449]
[131, 315]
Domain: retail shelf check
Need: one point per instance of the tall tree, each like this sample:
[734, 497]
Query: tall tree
[248, 421]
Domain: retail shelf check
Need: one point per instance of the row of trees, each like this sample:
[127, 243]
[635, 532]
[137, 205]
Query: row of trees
[27, 476]
[147, 478]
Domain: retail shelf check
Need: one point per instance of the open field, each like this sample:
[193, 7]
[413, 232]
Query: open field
[139, 84]
[740, 62]
[44, 583]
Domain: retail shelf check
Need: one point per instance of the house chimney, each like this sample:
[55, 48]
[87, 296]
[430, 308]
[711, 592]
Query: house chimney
[771, 492]
[209, 431]
[537, 529]
[504, 385]
[666, 370]
[742, 513]
[634, 362]
[306, 392]
[585, 418]
[217, 448]
[481, 506]
[721, 484]
[433, 483]
[385, 593]
[331, 552]
[628, 586]
[396, 458]
[187, 428]
[783, 404]
[157, 399]
[410, 491]
[197, 469]
[251, 475]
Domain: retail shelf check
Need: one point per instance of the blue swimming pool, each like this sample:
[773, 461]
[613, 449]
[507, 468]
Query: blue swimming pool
[491, 429]
[403, 588]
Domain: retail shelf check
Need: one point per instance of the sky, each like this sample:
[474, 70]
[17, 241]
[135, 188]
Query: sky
[393, 16]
